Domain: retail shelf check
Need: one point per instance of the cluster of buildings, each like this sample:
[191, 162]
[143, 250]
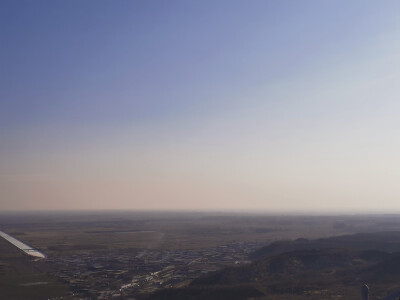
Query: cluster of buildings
[128, 272]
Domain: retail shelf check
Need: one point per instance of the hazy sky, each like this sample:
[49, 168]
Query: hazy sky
[222, 104]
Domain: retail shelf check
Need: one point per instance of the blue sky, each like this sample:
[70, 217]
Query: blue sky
[272, 105]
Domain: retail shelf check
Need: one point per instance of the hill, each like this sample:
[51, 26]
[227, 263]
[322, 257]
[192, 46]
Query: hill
[384, 241]
[331, 268]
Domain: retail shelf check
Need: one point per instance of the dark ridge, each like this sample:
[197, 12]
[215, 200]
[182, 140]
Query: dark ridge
[383, 241]
[387, 269]
[291, 264]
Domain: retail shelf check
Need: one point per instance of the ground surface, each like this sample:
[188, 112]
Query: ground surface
[92, 253]
[22, 278]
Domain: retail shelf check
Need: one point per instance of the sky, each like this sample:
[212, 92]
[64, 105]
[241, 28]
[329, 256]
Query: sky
[268, 106]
